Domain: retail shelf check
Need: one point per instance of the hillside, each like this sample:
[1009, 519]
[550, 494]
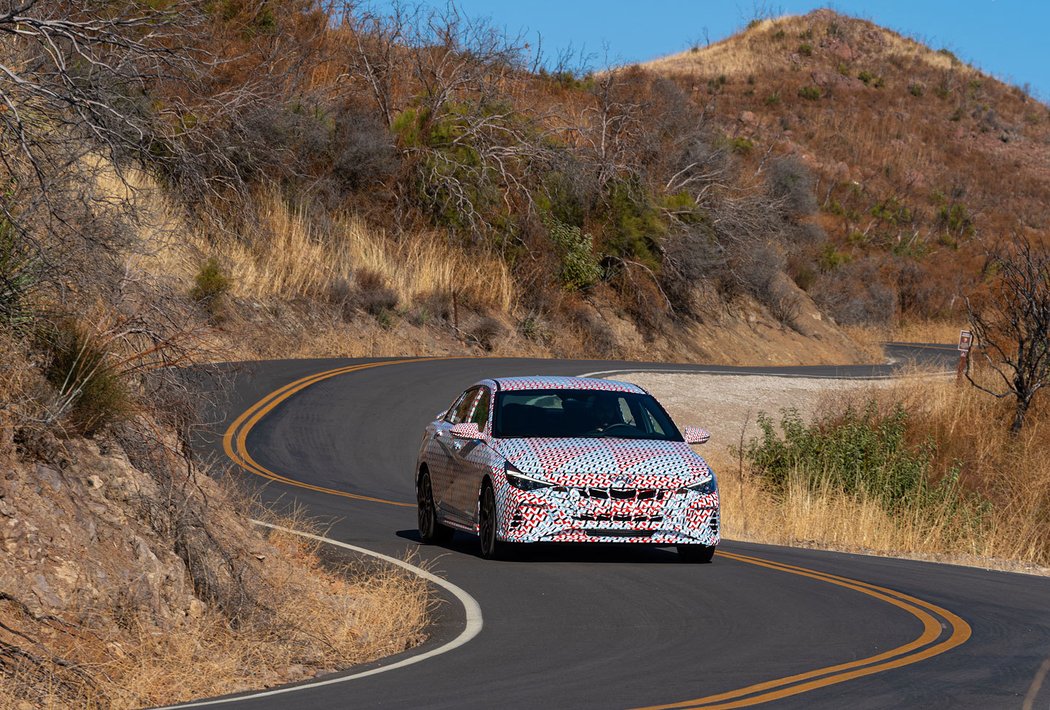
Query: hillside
[921, 160]
[194, 182]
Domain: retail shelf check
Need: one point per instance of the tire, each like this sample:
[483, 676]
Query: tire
[431, 532]
[491, 547]
[699, 554]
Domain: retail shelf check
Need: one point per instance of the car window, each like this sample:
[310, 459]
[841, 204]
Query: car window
[481, 410]
[461, 410]
[581, 413]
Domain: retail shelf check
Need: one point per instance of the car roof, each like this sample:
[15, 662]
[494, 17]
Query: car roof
[556, 382]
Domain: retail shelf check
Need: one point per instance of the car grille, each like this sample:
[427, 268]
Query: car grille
[597, 532]
[610, 493]
[609, 518]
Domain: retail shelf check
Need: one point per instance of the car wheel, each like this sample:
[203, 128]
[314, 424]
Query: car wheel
[702, 554]
[492, 548]
[430, 530]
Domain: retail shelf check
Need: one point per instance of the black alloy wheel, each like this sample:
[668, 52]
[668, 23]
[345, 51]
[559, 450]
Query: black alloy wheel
[430, 530]
[491, 547]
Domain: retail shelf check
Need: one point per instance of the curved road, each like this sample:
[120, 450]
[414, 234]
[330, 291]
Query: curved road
[616, 627]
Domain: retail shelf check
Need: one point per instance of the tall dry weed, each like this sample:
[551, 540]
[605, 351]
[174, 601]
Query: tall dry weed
[294, 258]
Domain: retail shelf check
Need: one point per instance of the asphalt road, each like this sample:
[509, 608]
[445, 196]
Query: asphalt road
[621, 626]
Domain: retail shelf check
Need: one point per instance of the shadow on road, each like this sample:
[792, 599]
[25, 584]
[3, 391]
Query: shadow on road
[573, 553]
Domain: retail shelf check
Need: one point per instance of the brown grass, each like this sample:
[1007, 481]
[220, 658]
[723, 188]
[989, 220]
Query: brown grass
[970, 428]
[293, 258]
[910, 331]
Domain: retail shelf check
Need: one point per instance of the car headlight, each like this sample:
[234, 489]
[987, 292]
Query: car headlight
[522, 482]
[704, 487]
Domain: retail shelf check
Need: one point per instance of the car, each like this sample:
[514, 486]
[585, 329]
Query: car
[565, 459]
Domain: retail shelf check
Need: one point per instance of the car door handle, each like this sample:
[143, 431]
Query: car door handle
[438, 434]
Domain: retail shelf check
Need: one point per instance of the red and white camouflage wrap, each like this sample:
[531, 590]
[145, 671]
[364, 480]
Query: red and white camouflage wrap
[599, 489]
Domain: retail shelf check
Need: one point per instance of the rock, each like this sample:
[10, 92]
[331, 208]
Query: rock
[748, 118]
[50, 476]
[94, 482]
[196, 608]
[45, 594]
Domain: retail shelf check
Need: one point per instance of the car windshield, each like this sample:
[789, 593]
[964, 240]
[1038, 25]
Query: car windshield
[581, 414]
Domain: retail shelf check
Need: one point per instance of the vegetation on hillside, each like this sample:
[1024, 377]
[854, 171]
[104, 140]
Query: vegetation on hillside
[921, 161]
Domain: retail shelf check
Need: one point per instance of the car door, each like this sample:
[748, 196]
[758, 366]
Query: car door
[444, 450]
[471, 460]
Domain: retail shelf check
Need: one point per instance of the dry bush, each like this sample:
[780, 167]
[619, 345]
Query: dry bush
[487, 332]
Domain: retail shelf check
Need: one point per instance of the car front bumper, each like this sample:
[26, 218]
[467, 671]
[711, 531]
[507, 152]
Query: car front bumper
[662, 517]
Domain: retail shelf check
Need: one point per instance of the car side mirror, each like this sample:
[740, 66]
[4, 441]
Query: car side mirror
[466, 430]
[695, 435]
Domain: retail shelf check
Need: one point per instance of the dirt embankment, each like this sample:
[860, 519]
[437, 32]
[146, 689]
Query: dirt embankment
[130, 578]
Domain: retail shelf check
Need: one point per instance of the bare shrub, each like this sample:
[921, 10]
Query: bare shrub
[854, 294]
[1011, 324]
[791, 181]
[487, 332]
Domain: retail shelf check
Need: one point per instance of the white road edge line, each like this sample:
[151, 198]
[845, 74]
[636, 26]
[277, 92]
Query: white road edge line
[471, 629]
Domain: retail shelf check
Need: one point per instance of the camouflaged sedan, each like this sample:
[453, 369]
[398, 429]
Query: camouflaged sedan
[565, 459]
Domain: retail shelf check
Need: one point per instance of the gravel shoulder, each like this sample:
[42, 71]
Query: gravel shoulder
[725, 405]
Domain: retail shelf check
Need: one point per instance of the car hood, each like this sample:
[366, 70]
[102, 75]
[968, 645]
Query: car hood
[605, 462]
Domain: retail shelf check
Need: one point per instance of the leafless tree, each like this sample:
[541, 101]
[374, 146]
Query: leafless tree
[1011, 324]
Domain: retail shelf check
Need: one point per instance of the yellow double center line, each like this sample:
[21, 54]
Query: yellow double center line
[928, 644]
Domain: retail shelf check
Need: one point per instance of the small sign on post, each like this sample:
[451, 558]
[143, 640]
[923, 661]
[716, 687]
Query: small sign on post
[965, 343]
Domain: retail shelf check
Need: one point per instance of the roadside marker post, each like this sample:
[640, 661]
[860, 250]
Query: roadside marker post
[965, 343]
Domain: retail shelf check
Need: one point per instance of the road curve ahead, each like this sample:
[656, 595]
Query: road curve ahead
[620, 627]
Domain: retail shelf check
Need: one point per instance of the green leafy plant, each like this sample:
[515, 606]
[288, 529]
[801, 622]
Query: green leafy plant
[579, 266]
[805, 49]
[810, 93]
[859, 453]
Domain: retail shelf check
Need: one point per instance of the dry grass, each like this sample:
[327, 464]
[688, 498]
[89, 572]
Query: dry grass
[969, 428]
[754, 49]
[909, 331]
[284, 255]
[293, 258]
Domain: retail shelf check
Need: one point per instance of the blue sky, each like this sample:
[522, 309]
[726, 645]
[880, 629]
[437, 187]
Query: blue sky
[1006, 38]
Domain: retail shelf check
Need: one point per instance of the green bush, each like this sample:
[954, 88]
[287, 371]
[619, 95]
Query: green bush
[858, 453]
[91, 391]
[805, 49]
[635, 224]
[210, 285]
[891, 210]
[17, 279]
[955, 219]
[916, 89]
[741, 145]
[809, 93]
[579, 266]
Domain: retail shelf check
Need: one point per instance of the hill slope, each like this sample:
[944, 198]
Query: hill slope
[920, 157]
